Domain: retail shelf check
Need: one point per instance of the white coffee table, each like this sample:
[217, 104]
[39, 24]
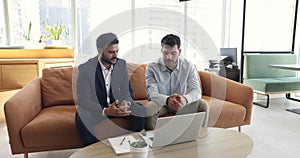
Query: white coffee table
[217, 142]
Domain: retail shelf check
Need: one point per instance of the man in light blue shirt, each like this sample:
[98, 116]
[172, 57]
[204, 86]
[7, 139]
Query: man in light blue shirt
[171, 83]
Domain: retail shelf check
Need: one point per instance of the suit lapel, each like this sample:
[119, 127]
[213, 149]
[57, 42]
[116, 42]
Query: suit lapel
[120, 82]
[100, 86]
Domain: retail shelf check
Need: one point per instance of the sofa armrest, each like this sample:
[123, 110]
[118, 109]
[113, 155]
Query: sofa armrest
[240, 94]
[19, 110]
[228, 90]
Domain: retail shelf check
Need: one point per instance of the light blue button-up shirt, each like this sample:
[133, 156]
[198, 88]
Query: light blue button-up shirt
[161, 82]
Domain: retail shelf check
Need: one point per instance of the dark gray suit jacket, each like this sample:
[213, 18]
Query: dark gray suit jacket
[91, 91]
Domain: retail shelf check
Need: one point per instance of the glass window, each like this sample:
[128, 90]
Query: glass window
[2, 25]
[269, 25]
[38, 13]
[95, 17]
[154, 19]
[57, 12]
[233, 26]
[140, 26]
[197, 22]
[204, 31]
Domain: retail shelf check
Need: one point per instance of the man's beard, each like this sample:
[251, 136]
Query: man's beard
[106, 60]
[170, 64]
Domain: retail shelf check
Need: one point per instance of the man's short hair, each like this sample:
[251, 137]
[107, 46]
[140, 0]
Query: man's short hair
[106, 39]
[171, 40]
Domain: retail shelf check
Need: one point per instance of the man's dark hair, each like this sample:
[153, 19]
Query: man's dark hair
[106, 39]
[171, 40]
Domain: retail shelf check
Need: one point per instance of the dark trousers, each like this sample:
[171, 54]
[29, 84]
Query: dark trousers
[137, 118]
[85, 135]
[136, 123]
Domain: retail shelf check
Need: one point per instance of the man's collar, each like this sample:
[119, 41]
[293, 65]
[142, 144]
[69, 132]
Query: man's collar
[164, 67]
[103, 67]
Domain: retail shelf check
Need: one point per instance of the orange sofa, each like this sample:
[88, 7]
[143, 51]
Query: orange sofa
[41, 116]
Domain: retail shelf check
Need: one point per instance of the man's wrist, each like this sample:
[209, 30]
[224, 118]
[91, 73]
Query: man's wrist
[103, 112]
[186, 101]
[167, 100]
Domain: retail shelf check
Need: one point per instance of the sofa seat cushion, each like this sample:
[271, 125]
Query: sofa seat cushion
[223, 113]
[274, 84]
[53, 126]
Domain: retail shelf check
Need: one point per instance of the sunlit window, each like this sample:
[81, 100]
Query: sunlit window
[197, 22]
[2, 25]
[269, 25]
[141, 25]
[27, 19]
[94, 18]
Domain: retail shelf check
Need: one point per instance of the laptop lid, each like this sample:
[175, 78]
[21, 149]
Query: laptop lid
[175, 129]
[189, 108]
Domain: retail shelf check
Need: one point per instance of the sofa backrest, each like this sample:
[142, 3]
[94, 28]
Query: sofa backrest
[257, 65]
[137, 76]
[56, 86]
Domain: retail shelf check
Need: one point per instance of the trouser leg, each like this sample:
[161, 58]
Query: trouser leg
[137, 118]
[115, 126]
[153, 111]
[85, 135]
[203, 106]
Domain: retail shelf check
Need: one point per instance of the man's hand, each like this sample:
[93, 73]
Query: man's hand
[114, 110]
[125, 105]
[176, 102]
[180, 99]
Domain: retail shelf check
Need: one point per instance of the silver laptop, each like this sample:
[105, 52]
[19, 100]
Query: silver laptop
[189, 108]
[175, 129]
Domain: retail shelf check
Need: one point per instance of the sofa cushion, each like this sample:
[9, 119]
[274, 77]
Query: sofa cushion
[282, 84]
[257, 65]
[53, 126]
[223, 113]
[137, 76]
[57, 86]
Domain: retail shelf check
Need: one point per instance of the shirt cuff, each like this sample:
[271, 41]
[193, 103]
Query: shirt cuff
[167, 101]
[186, 99]
[103, 114]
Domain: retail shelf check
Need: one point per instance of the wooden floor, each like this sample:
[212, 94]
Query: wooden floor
[275, 132]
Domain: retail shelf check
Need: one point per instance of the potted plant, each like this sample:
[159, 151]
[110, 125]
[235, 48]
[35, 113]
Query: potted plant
[27, 36]
[139, 149]
[58, 33]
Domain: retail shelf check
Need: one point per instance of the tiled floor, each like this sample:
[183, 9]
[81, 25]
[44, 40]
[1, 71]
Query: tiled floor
[275, 133]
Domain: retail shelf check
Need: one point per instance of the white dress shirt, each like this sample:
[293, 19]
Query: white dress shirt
[107, 77]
